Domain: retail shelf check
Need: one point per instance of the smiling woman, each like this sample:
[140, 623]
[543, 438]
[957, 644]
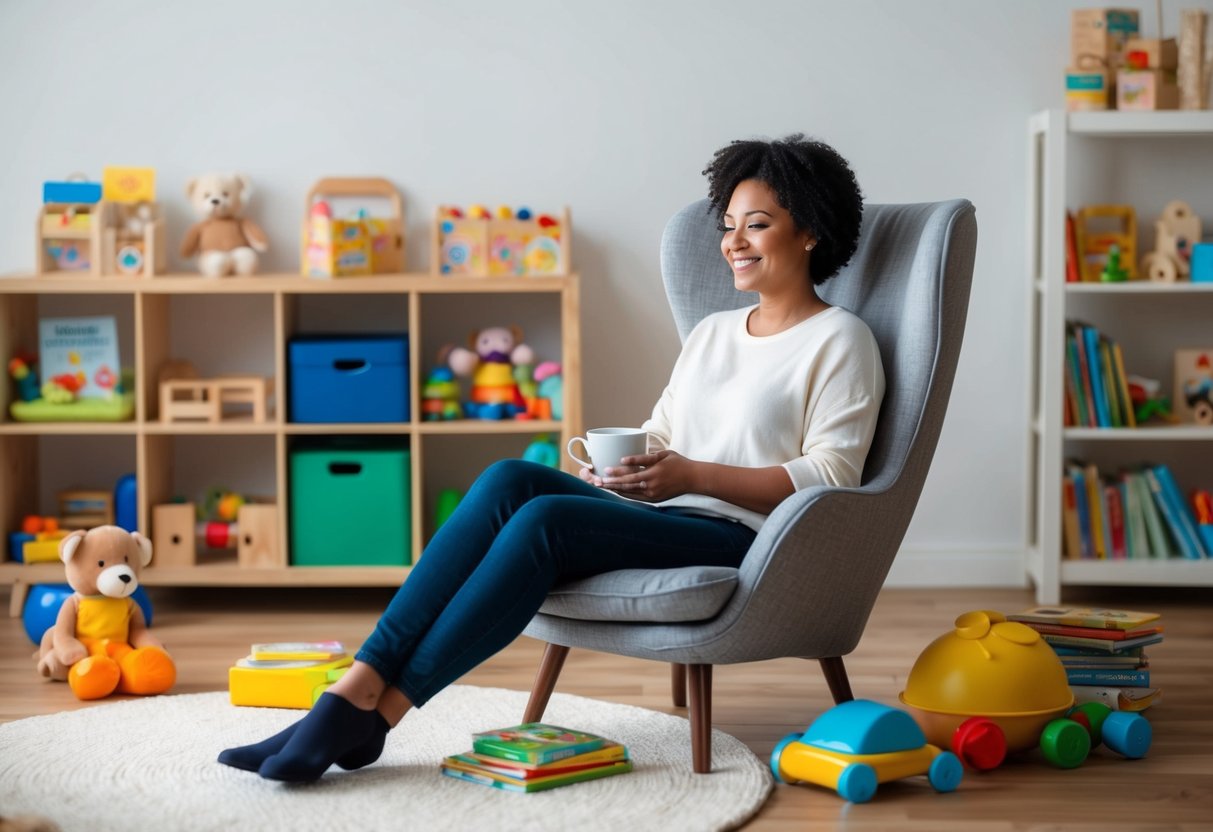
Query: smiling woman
[762, 402]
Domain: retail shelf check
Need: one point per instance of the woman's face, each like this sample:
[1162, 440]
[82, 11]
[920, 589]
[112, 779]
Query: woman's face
[762, 244]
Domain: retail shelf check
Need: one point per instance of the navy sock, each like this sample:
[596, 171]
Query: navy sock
[250, 757]
[334, 731]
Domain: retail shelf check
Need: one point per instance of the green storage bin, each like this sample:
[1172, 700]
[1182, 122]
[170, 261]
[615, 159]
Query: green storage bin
[351, 505]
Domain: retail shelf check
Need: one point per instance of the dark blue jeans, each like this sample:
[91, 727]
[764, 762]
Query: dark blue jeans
[522, 529]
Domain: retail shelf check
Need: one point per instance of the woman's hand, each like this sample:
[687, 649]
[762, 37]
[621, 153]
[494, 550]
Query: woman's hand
[652, 477]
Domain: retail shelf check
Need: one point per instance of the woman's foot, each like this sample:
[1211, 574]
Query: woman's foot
[334, 731]
[250, 757]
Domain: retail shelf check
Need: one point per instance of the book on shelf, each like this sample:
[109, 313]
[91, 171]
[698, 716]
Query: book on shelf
[1096, 384]
[80, 355]
[1122, 677]
[535, 756]
[1117, 697]
[1101, 618]
[1072, 275]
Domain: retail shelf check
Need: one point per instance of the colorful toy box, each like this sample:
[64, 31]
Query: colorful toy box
[357, 243]
[1147, 89]
[501, 244]
[335, 378]
[351, 504]
[1098, 36]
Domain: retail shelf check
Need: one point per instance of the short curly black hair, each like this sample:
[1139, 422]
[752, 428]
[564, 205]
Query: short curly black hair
[811, 181]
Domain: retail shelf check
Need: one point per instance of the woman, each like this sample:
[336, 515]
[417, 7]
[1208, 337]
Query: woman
[762, 401]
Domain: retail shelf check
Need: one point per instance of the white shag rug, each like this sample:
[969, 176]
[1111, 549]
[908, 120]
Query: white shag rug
[149, 764]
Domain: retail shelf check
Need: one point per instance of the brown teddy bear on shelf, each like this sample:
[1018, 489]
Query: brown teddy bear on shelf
[100, 642]
[226, 242]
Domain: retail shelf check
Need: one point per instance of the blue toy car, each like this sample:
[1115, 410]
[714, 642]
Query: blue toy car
[856, 745]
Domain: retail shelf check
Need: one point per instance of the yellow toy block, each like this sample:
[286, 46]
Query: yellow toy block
[283, 687]
[44, 548]
[128, 184]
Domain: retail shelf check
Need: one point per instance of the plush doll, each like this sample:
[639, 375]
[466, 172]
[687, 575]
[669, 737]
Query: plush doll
[99, 642]
[490, 361]
[225, 241]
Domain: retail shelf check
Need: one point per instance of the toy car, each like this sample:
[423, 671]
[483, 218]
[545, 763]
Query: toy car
[856, 745]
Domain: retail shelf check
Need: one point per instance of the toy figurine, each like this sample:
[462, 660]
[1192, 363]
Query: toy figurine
[1177, 231]
[225, 240]
[1113, 272]
[100, 642]
[1147, 402]
[490, 363]
[440, 396]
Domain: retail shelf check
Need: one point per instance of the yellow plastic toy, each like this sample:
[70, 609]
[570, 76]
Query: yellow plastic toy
[991, 686]
[856, 745]
[283, 686]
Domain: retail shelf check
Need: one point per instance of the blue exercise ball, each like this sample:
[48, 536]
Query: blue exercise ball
[43, 603]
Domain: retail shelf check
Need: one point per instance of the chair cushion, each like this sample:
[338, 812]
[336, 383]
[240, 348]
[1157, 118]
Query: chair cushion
[692, 593]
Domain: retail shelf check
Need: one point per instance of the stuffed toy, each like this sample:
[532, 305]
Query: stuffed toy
[490, 362]
[225, 241]
[100, 642]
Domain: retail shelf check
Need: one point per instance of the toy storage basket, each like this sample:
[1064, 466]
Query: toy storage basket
[387, 233]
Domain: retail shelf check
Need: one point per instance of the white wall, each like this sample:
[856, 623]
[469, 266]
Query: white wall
[612, 108]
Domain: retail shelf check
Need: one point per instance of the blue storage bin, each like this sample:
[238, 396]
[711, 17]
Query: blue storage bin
[363, 378]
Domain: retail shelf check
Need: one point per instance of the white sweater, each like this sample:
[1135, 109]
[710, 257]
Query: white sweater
[805, 398]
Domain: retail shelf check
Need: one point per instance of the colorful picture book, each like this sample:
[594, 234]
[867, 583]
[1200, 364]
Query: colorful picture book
[535, 742]
[320, 651]
[1091, 617]
[535, 756]
[80, 356]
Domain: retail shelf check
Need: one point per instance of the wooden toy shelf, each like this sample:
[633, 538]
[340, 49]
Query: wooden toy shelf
[153, 438]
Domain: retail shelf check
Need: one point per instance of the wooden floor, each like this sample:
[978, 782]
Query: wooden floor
[1172, 789]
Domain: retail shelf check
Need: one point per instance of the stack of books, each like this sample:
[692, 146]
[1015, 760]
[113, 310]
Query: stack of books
[534, 756]
[1103, 652]
[288, 674]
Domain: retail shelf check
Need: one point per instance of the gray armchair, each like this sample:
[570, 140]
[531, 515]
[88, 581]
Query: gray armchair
[810, 579]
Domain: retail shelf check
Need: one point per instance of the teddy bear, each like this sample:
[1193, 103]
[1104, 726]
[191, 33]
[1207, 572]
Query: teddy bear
[100, 642]
[490, 361]
[225, 241]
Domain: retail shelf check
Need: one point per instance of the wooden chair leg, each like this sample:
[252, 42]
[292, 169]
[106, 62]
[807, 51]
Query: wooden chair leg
[836, 677]
[678, 684]
[701, 717]
[545, 681]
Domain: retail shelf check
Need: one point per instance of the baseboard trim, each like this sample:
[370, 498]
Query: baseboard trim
[935, 568]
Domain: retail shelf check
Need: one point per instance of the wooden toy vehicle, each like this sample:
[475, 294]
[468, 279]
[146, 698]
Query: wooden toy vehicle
[993, 686]
[856, 745]
[1177, 230]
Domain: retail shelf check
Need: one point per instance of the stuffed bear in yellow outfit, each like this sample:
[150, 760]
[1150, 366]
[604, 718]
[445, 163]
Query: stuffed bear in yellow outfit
[100, 642]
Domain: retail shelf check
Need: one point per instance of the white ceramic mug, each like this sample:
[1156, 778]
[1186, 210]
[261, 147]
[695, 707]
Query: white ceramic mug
[606, 446]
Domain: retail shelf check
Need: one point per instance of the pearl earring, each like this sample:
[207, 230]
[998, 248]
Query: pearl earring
[808, 247]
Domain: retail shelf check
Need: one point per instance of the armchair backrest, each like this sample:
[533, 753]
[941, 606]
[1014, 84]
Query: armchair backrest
[909, 281]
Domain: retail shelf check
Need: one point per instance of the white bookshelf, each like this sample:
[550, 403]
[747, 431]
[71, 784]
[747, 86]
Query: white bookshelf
[1144, 160]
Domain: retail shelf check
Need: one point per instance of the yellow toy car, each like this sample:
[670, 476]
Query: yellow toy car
[856, 745]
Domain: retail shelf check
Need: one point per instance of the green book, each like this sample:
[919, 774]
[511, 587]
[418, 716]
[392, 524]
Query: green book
[1160, 545]
[535, 742]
